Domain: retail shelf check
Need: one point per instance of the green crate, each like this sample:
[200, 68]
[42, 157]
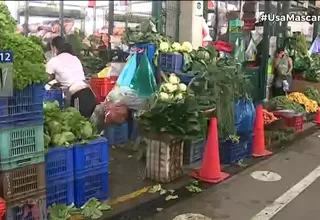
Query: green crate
[21, 146]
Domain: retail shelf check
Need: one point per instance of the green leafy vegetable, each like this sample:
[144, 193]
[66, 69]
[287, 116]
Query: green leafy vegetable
[64, 128]
[28, 60]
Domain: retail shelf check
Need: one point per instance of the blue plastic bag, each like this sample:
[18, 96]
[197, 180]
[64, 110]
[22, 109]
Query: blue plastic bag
[127, 74]
[244, 116]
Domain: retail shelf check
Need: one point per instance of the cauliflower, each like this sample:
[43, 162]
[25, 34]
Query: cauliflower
[164, 96]
[164, 47]
[176, 46]
[186, 47]
[170, 87]
[174, 79]
[182, 87]
[178, 96]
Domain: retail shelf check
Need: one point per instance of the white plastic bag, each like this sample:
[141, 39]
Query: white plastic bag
[126, 96]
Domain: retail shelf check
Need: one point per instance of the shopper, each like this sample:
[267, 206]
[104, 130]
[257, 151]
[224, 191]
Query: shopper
[282, 73]
[67, 70]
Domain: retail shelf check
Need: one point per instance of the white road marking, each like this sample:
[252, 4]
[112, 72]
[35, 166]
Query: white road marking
[271, 210]
[266, 176]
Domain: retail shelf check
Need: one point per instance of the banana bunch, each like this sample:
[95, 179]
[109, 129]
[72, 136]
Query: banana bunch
[309, 105]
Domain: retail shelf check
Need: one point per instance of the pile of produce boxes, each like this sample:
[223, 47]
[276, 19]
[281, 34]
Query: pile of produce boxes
[74, 174]
[22, 168]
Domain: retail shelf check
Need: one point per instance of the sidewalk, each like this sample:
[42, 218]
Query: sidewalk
[241, 197]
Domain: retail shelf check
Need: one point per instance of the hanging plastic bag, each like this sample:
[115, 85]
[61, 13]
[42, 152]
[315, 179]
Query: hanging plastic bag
[144, 82]
[244, 115]
[315, 47]
[128, 72]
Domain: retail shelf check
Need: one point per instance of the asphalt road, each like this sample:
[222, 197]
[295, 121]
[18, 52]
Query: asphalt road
[294, 197]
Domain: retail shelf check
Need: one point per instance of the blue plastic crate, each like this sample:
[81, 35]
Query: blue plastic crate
[232, 152]
[117, 134]
[148, 48]
[184, 77]
[60, 190]
[23, 108]
[59, 163]
[17, 212]
[91, 183]
[134, 130]
[171, 62]
[54, 95]
[92, 155]
[193, 151]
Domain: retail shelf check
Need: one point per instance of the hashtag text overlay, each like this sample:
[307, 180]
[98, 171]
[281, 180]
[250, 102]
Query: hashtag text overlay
[289, 17]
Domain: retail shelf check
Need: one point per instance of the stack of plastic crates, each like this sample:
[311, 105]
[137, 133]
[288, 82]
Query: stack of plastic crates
[91, 171]
[22, 169]
[59, 176]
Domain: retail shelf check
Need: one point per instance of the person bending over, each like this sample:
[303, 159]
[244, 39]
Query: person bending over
[67, 70]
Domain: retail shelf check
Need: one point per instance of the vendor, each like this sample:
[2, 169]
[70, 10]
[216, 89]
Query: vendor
[67, 70]
[282, 73]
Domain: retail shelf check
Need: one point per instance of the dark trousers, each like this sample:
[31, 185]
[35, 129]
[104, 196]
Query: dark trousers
[278, 91]
[87, 102]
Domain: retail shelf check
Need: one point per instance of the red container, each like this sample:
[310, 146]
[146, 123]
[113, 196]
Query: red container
[102, 86]
[295, 122]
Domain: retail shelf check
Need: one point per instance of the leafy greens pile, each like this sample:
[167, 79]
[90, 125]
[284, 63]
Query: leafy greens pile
[146, 32]
[28, 64]
[312, 74]
[90, 210]
[175, 115]
[222, 83]
[63, 128]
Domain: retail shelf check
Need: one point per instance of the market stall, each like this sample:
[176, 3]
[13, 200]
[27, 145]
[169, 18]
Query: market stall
[172, 104]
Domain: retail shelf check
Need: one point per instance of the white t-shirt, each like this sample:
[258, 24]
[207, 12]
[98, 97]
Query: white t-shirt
[67, 69]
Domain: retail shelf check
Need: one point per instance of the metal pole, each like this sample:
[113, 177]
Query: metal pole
[94, 18]
[285, 10]
[61, 18]
[265, 52]
[216, 12]
[316, 25]
[178, 19]
[26, 18]
[110, 26]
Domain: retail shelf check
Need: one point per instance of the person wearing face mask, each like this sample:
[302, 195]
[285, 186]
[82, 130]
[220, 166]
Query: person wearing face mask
[66, 68]
[282, 73]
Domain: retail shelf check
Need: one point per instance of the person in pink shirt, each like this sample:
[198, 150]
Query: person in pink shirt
[67, 70]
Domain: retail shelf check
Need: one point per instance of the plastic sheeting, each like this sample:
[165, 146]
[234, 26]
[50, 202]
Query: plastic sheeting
[244, 115]
[144, 82]
[128, 72]
[315, 47]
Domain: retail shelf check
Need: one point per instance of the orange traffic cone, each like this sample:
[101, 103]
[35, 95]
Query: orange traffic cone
[259, 148]
[317, 119]
[210, 171]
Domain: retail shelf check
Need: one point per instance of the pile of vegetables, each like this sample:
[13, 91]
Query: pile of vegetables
[146, 32]
[173, 110]
[172, 89]
[92, 209]
[28, 65]
[299, 51]
[309, 105]
[312, 73]
[221, 84]
[313, 94]
[283, 103]
[195, 61]
[268, 117]
[64, 128]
